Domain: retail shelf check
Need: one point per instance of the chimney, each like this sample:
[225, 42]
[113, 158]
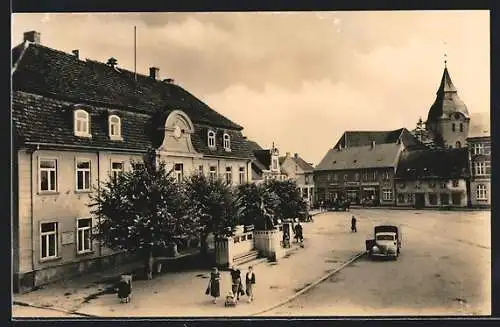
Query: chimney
[296, 155]
[373, 144]
[76, 53]
[32, 36]
[154, 72]
[112, 62]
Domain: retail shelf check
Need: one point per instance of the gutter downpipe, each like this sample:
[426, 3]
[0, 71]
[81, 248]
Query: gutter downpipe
[98, 195]
[32, 214]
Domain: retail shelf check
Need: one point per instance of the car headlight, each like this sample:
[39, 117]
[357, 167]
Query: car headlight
[375, 248]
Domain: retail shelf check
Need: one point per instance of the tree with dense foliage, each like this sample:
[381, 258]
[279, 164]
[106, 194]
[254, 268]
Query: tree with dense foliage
[212, 206]
[291, 204]
[256, 206]
[142, 209]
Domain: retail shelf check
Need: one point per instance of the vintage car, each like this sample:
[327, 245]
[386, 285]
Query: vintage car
[386, 242]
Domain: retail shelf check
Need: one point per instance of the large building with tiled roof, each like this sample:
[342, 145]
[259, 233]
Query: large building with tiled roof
[422, 180]
[363, 174]
[302, 172]
[78, 121]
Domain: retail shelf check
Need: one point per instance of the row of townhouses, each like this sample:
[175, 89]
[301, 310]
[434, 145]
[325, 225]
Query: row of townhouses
[447, 163]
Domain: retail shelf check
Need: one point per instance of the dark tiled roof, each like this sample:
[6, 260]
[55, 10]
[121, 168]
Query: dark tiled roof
[263, 159]
[365, 138]
[45, 71]
[39, 119]
[447, 100]
[443, 163]
[254, 145]
[382, 155]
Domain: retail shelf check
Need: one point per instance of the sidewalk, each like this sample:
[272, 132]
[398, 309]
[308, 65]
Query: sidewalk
[182, 293]
[424, 208]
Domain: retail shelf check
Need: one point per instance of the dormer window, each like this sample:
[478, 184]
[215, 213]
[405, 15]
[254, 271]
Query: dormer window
[82, 123]
[227, 142]
[211, 139]
[115, 128]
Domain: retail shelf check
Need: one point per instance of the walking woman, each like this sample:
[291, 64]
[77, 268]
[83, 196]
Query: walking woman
[250, 282]
[213, 288]
[237, 285]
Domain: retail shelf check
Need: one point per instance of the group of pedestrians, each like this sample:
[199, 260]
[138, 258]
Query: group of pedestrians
[237, 290]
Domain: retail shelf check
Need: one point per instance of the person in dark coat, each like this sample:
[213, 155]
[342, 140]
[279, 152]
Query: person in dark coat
[213, 288]
[237, 285]
[250, 282]
[298, 233]
[353, 225]
[124, 290]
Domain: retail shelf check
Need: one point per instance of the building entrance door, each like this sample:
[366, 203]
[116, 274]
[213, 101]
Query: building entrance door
[419, 200]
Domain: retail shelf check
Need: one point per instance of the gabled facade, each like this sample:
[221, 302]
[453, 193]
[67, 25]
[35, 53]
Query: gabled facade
[422, 180]
[78, 122]
[362, 174]
[266, 164]
[301, 172]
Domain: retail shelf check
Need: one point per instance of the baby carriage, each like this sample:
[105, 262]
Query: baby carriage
[124, 288]
[230, 300]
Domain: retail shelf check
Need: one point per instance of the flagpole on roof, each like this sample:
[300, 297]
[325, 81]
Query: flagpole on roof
[135, 53]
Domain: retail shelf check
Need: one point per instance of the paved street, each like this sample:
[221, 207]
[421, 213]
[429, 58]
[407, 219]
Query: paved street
[19, 311]
[444, 269]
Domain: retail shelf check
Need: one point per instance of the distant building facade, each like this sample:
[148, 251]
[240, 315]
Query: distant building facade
[302, 172]
[362, 165]
[78, 122]
[266, 164]
[479, 142]
[422, 180]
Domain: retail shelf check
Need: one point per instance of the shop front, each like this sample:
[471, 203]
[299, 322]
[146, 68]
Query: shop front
[353, 192]
[370, 196]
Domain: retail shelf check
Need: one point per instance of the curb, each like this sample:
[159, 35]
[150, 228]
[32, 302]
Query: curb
[314, 284]
[25, 304]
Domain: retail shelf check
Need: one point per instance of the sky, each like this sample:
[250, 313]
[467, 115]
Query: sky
[296, 79]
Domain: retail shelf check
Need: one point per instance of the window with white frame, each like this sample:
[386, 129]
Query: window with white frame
[116, 169]
[47, 175]
[83, 235]
[387, 195]
[227, 142]
[213, 173]
[387, 174]
[481, 192]
[335, 177]
[200, 170]
[478, 148]
[229, 175]
[242, 175]
[82, 175]
[346, 177]
[48, 240]
[356, 177]
[211, 139]
[455, 183]
[82, 123]
[179, 172]
[374, 175]
[115, 128]
[482, 168]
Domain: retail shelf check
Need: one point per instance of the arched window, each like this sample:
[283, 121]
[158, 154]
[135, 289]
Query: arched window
[115, 128]
[227, 142]
[211, 139]
[458, 145]
[82, 123]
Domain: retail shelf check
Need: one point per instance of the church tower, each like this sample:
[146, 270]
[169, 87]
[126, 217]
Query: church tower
[448, 119]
